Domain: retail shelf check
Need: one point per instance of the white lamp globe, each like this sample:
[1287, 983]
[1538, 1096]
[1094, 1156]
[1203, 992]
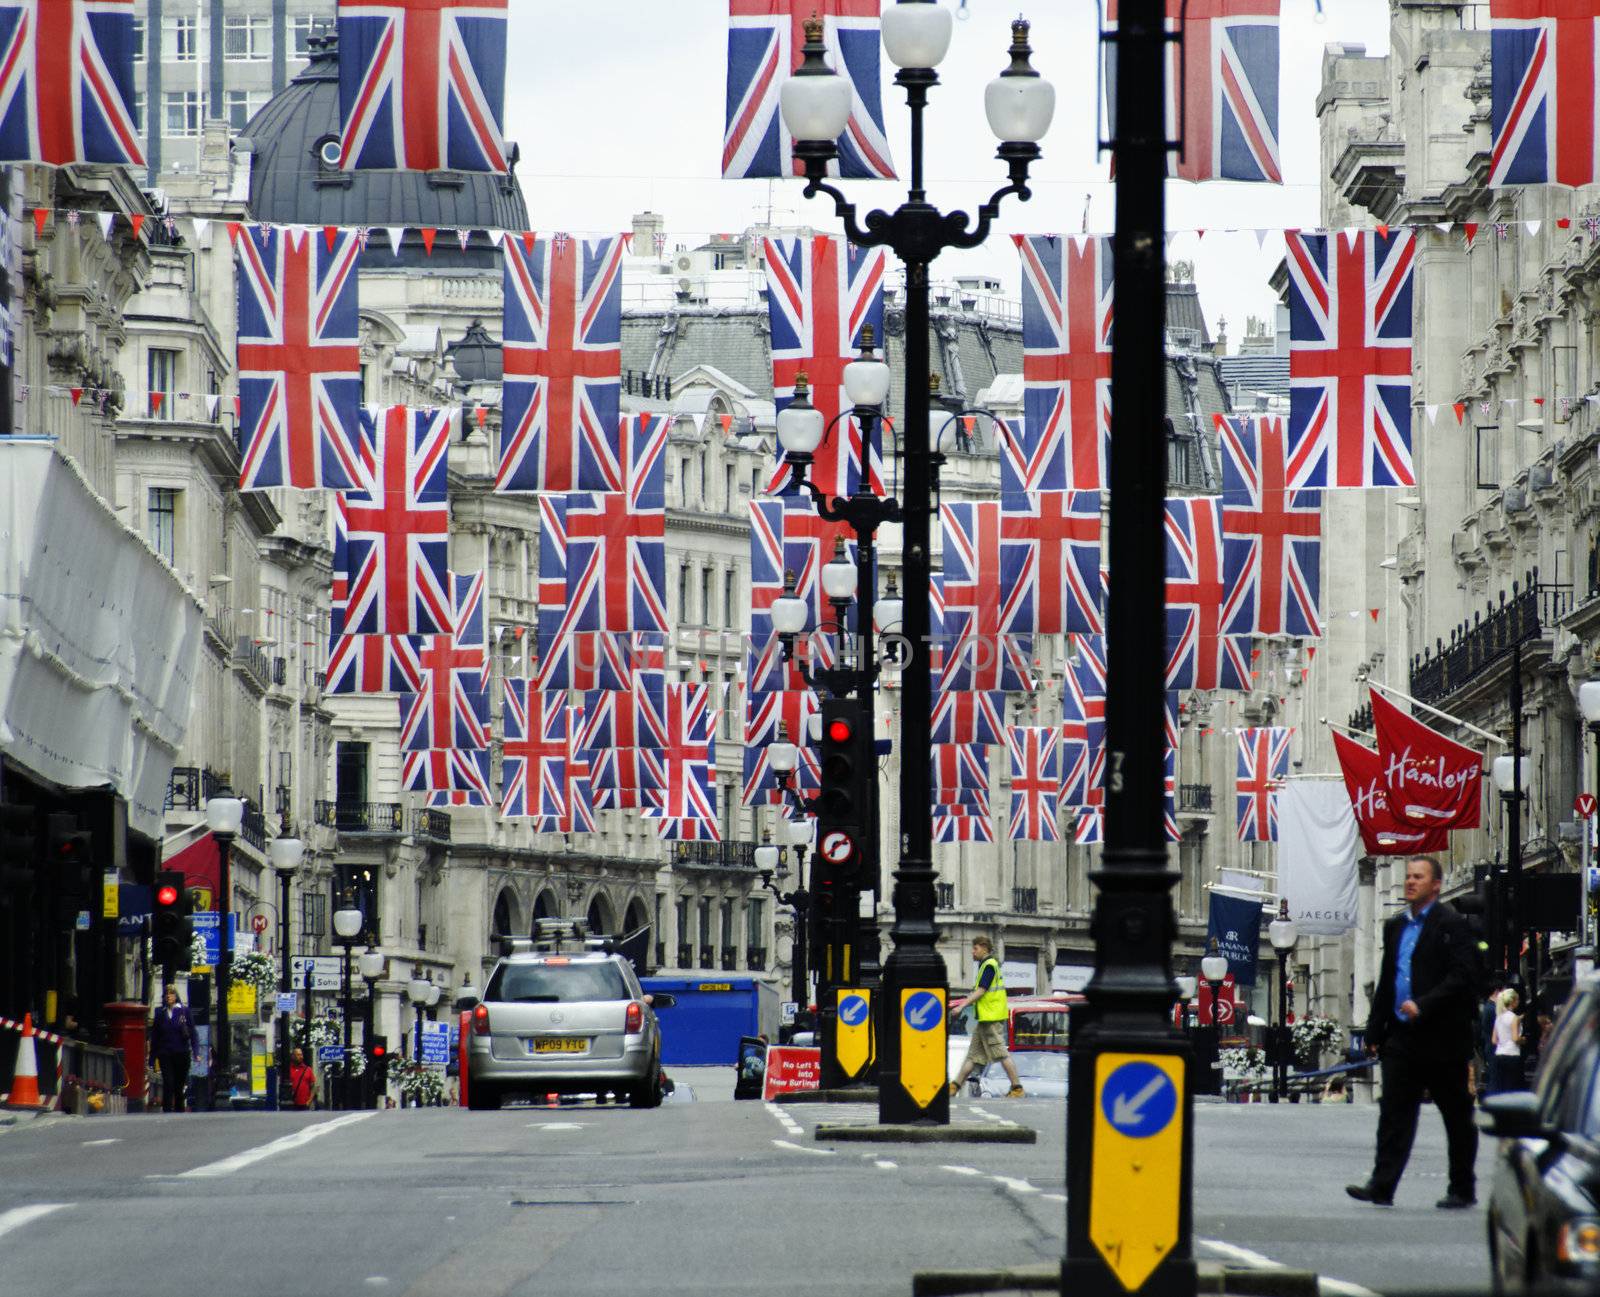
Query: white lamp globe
[1588, 697]
[816, 100]
[789, 611]
[1019, 103]
[434, 992]
[782, 755]
[417, 990]
[286, 853]
[866, 380]
[839, 575]
[1507, 772]
[890, 609]
[224, 815]
[1214, 967]
[796, 832]
[801, 425]
[916, 33]
[1281, 932]
[766, 855]
[1186, 988]
[347, 922]
[371, 963]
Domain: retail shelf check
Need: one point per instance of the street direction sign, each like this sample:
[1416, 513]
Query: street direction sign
[1584, 805]
[922, 1043]
[1136, 1171]
[853, 1032]
[327, 964]
[330, 1053]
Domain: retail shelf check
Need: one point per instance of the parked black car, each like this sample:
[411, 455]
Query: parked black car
[1544, 1200]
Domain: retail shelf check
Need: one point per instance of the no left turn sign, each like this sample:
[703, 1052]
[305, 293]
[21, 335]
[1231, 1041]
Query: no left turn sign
[836, 847]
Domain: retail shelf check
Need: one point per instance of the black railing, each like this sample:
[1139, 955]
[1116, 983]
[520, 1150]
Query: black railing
[360, 817]
[715, 855]
[1195, 798]
[755, 959]
[730, 958]
[1475, 647]
[190, 787]
[685, 955]
[708, 957]
[655, 386]
[432, 824]
[253, 829]
[1025, 900]
[944, 896]
[1361, 719]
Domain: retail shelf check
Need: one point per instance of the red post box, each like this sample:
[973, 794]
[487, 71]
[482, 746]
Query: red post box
[128, 1024]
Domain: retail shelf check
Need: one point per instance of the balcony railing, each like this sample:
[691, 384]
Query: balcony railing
[1025, 900]
[254, 828]
[190, 787]
[714, 855]
[360, 817]
[755, 959]
[1361, 719]
[431, 824]
[730, 958]
[944, 896]
[685, 955]
[1531, 610]
[1195, 798]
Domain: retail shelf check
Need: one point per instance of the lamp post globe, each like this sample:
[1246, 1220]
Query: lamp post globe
[916, 33]
[1019, 103]
[866, 378]
[1281, 932]
[795, 832]
[1508, 772]
[800, 424]
[434, 992]
[1589, 701]
[767, 855]
[839, 575]
[789, 611]
[1214, 967]
[417, 989]
[890, 609]
[370, 963]
[782, 755]
[347, 920]
[286, 854]
[816, 100]
[224, 815]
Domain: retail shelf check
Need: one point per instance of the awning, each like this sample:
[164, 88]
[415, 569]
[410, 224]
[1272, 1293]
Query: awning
[200, 864]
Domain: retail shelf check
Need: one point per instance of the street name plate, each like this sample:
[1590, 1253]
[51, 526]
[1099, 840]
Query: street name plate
[1137, 1169]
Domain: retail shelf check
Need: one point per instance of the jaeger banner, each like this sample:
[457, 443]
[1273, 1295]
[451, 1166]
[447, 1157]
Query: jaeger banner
[1318, 845]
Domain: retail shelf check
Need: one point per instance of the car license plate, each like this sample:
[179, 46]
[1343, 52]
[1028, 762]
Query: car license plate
[559, 1045]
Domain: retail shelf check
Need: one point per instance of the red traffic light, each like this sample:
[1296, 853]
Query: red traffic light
[839, 730]
[378, 1051]
[166, 896]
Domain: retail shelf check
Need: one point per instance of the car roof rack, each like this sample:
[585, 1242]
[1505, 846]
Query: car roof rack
[548, 934]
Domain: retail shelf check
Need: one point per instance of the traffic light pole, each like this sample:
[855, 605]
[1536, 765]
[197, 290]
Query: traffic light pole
[1130, 1097]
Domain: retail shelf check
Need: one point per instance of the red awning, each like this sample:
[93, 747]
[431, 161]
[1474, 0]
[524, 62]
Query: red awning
[199, 863]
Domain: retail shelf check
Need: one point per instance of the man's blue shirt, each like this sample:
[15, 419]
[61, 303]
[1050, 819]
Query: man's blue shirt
[1402, 960]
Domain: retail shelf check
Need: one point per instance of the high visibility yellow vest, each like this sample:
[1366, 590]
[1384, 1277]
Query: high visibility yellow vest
[992, 1003]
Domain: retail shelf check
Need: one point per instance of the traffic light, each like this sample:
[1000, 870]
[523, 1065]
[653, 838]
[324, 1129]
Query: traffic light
[842, 802]
[378, 1059]
[68, 854]
[19, 846]
[1480, 908]
[170, 919]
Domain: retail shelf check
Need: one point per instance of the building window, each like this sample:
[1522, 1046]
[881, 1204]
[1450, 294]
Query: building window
[729, 711]
[705, 596]
[727, 487]
[300, 28]
[180, 38]
[683, 596]
[246, 39]
[163, 378]
[729, 601]
[239, 106]
[161, 511]
[138, 40]
[138, 110]
[182, 112]
[683, 479]
[350, 775]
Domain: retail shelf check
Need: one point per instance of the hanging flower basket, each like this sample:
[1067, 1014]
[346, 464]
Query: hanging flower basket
[256, 969]
[421, 1084]
[1313, 1037]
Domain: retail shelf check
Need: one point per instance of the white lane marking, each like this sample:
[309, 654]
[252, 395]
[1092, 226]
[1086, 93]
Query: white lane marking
[1332, 1287]
[1016, 1186]
[1053, 1197]
[375, 1281]
[785, 1120]
[17, 1217]
[962, 1170]
[99, 1143]
[555, 1125]
[228, 1165]
[801, 1148]
[984, 1113]
[884, 1165]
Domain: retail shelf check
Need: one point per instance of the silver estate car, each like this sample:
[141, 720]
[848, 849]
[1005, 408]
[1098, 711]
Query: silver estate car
[552, 1023]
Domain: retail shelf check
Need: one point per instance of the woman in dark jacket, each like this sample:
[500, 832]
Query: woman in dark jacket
[172, 1044]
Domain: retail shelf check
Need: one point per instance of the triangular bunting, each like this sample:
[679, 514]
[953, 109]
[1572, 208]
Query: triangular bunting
[395, 233]
[428, 235]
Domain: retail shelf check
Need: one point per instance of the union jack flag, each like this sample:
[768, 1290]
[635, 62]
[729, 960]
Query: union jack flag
[440, 797]
[1263, 766]
[1544, 108]
[809, 543]
[578, 813]
[1271, 535]
[299, 354]
[963, 717]
[766, 713]
[1050, 561]
[451, 710]
[766, 42]
[1229, 82]
[960, 774]
[372, 664]
[687, 829]
[534, 752]
[66, 82]
[1090, 828]
[1199, 656]
[561, 397]
[444, 770]
[982, 652]
[471, 621]
[616, 542]
[820, 292]
[422, 84]
[1350, 358]
[686, 756]
[1035, 782]
[398, 527]
[963, 828]
[1066, 362]
[624, 779]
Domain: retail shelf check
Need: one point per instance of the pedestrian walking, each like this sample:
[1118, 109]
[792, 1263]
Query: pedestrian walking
[988, 1044]
[1506, 1064]
[172, 1044]
[1422, 1025]
[1483, 1039]
[302, 1081]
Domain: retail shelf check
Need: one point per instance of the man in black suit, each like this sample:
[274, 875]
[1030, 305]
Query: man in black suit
[1421, 1024]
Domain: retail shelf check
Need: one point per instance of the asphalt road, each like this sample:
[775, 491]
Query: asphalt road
[706, 1197]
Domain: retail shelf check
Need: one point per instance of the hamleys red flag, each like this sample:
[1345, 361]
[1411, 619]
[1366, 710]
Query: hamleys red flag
[1433, 782]
[1381, 832]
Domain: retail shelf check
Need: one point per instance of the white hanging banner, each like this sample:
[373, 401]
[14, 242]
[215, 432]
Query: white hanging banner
[1318, 846]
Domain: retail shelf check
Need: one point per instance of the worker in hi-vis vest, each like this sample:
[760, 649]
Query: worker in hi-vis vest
[990, 1030]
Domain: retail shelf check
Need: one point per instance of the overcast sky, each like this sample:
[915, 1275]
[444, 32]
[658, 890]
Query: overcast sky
[618, 108]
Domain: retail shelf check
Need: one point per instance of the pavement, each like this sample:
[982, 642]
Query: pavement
[702, 1196]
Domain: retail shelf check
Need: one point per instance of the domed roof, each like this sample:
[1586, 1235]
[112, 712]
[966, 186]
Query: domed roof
[295, 180]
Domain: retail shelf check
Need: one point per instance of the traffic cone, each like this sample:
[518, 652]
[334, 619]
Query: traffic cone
[25, 1079]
